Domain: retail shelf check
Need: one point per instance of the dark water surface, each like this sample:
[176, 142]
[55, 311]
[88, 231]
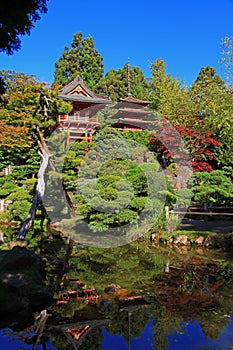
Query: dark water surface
[182, 299]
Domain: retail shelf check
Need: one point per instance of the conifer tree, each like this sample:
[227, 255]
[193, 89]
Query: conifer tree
[121, 82]
[83, 59]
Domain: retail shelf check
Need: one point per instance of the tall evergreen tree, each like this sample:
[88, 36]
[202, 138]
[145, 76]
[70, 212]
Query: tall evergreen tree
[83, 59]
[121, 82]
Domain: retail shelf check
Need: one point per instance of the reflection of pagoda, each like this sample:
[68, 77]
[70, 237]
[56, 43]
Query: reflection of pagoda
[131, 114]
[81, 122]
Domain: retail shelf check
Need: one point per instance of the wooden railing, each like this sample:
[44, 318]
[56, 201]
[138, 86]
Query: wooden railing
[210, 211]
[76, 118]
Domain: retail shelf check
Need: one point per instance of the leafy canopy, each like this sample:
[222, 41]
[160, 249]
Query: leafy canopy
[17, 18]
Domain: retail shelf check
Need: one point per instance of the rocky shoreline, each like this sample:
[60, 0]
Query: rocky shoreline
[210, 241]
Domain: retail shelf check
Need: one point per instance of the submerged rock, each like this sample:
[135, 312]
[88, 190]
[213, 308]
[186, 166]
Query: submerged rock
[18, 258]
[17, 281]
[22, 287]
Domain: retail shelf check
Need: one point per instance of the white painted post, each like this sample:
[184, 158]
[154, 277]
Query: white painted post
[1, 205]
[167, 212]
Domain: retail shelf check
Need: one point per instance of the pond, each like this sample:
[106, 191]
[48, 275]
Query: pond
[145, 297]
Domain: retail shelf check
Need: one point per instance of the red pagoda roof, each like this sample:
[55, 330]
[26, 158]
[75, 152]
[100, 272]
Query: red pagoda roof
[132, 99]
[131, 102]
[77, 91]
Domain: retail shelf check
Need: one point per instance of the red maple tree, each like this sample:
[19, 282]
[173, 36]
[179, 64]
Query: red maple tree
[169, 142]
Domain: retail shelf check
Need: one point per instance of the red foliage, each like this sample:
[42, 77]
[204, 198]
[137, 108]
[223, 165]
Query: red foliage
[199, 144]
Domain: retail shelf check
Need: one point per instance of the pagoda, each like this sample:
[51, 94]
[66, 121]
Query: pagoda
[131, 114]
[81, 122]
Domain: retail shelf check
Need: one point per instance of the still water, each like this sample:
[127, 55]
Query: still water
[164, 299]
[190, 336]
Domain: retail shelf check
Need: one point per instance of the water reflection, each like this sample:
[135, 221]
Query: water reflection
[185, 300]
[188, 336]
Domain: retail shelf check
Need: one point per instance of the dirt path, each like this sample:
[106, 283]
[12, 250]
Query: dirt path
[212, 226]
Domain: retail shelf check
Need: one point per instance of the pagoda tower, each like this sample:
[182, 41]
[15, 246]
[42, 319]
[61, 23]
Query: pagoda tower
[131, 114]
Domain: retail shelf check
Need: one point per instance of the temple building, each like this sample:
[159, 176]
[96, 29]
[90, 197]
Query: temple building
[81, 122]
[128, 114]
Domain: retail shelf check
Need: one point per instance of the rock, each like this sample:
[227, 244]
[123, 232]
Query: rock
[18, 258]
[199, 241]
[182, 249]
[112, 288]
[22, 286]
[212, 241]
[40, 298]
[16, 281]
[199, 251]
[15, 305]
[181, 240]
[13, 244]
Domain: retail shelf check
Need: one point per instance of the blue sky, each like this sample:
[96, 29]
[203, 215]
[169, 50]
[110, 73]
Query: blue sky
[185, 34]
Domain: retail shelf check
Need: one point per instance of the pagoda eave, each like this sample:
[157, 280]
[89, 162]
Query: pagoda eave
[84, 99]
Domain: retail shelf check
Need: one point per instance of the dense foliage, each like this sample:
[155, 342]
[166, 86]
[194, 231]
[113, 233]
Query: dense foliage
[17, 18]
[83, 59]
[121, 82]
[200, 114]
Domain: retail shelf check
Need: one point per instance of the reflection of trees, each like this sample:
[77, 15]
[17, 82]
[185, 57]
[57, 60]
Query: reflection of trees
[55, 252]
[212, 323]
[68, 310]
[139, 320]
[130, 266]
[93, 340]
[191, 292]
[59, 340]
[188, 289]
[129, 323]
[119, 324]
[137, 267]
[163, 325]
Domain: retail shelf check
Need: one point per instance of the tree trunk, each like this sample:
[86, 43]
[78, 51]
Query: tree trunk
[65, 194]
[40, 189]
[42, 318]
